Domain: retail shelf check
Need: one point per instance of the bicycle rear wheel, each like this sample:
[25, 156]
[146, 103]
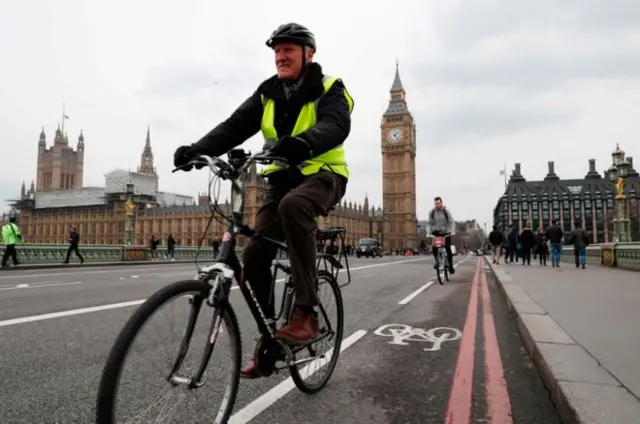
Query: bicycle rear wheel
[302, 373]
[197, 291]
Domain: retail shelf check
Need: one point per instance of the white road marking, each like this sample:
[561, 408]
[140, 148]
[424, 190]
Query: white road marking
[81, 271]
[42, 317]
[253, 409]
[24, 320]
[38, 285]
[134, 276]
[424, 287]
[415, 293]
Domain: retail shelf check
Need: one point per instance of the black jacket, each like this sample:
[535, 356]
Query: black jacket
[496, 238]
[333, 117]
[555, 234]
[527, 238]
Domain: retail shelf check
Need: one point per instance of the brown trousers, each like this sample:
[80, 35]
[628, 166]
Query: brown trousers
[290, 207]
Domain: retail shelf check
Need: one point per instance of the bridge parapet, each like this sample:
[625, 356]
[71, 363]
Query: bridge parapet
[42, 254]
[615, 255]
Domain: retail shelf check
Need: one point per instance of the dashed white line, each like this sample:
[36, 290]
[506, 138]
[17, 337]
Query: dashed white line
[38, 285]
[423, 288]
[42, 317]
[253, 409]
[24, 320]
[415, 293]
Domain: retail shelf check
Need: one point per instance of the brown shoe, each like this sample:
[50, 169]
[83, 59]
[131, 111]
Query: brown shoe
[250, 370]
[302, 328]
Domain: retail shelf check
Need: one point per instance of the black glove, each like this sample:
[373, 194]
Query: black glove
[184, 155]
[294, 149]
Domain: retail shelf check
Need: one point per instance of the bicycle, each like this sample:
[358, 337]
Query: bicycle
[213, 284]
[442, 262]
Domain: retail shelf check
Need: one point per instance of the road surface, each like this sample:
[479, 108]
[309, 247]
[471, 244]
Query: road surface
[58, 326]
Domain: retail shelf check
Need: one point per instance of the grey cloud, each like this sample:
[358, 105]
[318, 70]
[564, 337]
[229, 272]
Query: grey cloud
[477, 20]
[535, 73]
[486, 120]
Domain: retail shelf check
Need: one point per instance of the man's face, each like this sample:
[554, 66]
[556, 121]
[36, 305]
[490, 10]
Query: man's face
[288, 60]
[438, 204]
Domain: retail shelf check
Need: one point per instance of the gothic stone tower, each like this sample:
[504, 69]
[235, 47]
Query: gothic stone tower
[398, 144]
[59, 167]
[146, 159]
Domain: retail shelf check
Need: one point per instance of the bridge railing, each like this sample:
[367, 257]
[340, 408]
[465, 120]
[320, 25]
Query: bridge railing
[615, 255]
[42, 254]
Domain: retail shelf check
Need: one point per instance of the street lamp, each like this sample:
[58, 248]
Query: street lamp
[129, 198]
[618, 173]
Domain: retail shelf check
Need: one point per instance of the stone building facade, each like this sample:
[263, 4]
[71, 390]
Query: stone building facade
[57, 201]
[589, 200]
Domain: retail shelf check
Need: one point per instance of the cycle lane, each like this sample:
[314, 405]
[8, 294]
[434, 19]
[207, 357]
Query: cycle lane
[431, 361]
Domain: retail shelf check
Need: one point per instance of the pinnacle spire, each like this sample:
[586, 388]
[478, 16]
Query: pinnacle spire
[397, 82]
[146, 159]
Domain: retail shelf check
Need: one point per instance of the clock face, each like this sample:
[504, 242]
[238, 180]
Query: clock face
[394, 135]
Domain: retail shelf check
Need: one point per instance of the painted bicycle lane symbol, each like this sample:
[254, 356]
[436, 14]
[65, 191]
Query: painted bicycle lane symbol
[402, 334]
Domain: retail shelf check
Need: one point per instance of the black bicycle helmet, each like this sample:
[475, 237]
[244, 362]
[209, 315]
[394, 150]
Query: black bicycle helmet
[292, 33]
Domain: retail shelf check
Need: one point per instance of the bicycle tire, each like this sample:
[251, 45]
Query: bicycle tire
[446, 270]
[302, 385]
[439, 271]
[110, 378]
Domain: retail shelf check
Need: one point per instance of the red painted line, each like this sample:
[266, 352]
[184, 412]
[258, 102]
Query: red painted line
[496, 389]
[459, 408]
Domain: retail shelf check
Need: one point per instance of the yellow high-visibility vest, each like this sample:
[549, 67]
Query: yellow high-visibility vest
[333, 160]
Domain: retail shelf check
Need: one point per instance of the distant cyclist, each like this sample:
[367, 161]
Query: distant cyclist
[441, 223]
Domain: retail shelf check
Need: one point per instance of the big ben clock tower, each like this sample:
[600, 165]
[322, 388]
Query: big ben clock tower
[398, 144]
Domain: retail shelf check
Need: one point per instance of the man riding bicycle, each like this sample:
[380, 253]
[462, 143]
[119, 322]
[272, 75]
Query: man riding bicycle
[304, 116]
[441, 224]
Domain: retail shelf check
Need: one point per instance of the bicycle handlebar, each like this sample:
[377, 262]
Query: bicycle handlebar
[239, 162]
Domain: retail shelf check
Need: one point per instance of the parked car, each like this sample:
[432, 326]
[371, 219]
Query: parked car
[368, 247]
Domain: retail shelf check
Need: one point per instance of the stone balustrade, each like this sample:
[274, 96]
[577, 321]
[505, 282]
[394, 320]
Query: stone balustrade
[616, 255]
[42, 254]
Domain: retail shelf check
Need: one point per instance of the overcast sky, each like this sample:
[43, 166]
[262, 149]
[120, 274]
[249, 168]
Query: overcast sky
[488, 82]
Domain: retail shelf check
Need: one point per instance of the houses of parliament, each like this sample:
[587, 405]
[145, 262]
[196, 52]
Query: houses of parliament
[58, 200]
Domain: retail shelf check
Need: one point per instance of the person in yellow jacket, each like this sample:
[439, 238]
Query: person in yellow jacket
[10, 237]
[305, 117]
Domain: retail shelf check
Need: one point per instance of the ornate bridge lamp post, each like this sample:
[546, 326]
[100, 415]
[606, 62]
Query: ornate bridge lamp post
[129, 198]
[618, 174]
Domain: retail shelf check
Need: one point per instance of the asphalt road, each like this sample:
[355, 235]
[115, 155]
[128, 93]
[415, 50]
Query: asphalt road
[57, 327]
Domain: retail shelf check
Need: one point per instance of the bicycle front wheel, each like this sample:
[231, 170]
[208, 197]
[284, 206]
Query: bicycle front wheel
[175, 377]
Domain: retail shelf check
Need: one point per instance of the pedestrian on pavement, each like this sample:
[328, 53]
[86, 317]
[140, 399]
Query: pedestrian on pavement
[580, 240]
[215, 244]
[74, 241]
[153, 247]
[496, 238]
[555, 236]
[10, 237]
[527, 242]
[541, 246]
[171, 247]
[513, 240]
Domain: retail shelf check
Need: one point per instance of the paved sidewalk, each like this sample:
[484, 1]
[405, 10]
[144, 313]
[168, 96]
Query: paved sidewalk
[582, 329]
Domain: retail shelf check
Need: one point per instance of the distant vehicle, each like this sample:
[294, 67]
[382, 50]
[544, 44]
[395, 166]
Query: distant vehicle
[454, 251]
[368, 247]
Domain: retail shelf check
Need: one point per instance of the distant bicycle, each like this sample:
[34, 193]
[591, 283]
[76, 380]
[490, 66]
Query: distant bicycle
[442, 262]
[211, 289]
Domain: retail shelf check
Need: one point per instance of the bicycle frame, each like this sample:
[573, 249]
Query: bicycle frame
[227, 265]
[439, 243]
